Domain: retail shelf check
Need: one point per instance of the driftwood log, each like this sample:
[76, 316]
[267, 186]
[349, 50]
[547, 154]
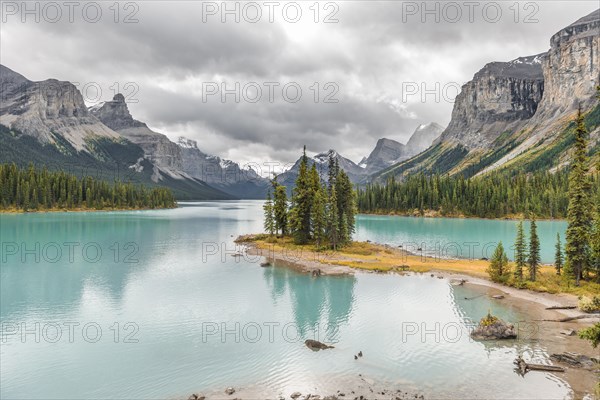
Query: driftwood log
[561, 308]
[567, 319]
[525, 367]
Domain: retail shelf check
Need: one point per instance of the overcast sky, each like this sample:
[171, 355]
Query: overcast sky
[377, 61]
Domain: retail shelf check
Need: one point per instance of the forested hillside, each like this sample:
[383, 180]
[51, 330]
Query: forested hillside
[39, 189]
[496, 195]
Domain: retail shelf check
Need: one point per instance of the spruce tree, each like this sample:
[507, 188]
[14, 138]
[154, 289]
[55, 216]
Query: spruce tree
[301, 203]
[578, 214]
[595, 242]
[319, 217]
[346, 207]
[533, 260]
[333, 219]
[280, 207]
[269, 224]
[520, 253]
[497, 269]
[558, 255]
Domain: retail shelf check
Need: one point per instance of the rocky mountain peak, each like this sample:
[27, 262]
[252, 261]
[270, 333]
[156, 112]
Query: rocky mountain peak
[186, 143]
[529, 67]
[115, 114]
[584, 27]
[323, 157]
[423, 137]
[501, 97]
[388, 151]
[10, 80]
[47, 109]
[572, 68]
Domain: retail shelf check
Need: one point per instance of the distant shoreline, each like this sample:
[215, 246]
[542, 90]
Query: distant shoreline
[77, 210]
[435, 214]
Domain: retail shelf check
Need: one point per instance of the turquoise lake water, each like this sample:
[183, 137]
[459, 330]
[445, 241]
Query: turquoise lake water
[456, 237]
[153, 304]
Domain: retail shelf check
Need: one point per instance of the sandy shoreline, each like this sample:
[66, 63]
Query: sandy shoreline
[326, 266]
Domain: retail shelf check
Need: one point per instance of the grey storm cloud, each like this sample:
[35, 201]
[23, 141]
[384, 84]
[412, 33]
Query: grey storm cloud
[371, 54]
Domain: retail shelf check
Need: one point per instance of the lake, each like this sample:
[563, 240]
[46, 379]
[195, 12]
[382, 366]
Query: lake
[155, 304]
[456, 237]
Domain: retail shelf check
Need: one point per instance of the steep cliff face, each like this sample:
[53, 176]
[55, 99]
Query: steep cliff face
[49, 110]
[571, 68]
[501, 97]
[225, 175]
[571, 72]
[517, 114]
[157, 147]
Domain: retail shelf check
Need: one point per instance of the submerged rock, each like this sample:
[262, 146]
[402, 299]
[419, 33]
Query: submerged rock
[493, 328]
[316, 345]
[575, 360]
[229, 391]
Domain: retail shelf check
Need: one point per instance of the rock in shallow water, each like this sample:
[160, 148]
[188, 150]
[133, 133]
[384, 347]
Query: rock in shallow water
[492, 328]
[229, 391]
[316, 345]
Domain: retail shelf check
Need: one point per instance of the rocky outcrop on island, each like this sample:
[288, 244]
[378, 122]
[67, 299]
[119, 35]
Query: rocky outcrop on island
[493, 328]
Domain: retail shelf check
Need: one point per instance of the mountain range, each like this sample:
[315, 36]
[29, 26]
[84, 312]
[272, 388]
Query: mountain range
[386, 152]
[514, 115]
[47, 123]
[518, 115]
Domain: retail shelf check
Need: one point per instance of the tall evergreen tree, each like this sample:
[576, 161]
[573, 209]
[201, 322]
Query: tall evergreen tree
[301, 203]
[595, 242]
[346, 207]
[333, 219]
[533, 261]
[578, 214]
[332, 170]
[558, 255]
[280, 207]
[520, 253]
[319, 217]
[269, 223]
[498, 267]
